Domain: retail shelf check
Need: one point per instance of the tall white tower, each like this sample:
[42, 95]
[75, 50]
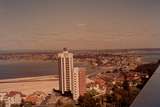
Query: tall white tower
[65, 63]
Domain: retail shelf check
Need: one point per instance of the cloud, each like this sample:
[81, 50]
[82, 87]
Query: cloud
[46, 33]
[81, 25]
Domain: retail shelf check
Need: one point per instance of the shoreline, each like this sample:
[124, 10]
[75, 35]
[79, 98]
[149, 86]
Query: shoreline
[28, 85]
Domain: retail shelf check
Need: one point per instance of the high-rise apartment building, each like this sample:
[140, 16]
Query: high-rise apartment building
[79, 82]
[65, 63]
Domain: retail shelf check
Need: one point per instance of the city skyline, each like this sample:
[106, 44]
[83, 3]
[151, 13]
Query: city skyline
[89, 24]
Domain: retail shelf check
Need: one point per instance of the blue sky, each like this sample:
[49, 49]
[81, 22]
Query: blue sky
[79, 24]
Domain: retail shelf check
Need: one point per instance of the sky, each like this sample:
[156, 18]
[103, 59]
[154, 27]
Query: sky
[79, 24]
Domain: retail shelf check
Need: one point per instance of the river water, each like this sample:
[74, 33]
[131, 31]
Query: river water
[18, 69]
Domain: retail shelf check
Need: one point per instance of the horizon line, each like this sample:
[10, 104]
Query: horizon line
[28, 50]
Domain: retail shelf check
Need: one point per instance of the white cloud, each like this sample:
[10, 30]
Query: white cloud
[81, 24]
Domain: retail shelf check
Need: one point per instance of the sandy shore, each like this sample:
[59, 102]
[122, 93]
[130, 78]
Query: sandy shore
[30, 85]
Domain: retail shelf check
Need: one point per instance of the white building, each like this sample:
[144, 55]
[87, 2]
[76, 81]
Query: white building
[2, 95]
[11, 98]
[65, 63]
[15, 99]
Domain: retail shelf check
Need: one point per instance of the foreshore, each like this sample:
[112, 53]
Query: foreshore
[28, 85]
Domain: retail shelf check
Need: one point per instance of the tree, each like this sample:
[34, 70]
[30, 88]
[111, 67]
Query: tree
[15, 105]
[133, 92]
[2, 104]
[88, 101]
[27, 104]
[125, 85]
[68, 105]
[93, 92]
[59, 103]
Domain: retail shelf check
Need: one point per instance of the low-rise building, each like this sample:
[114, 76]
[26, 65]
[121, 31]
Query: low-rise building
[13, 97]
[36, 98]
[2, 95]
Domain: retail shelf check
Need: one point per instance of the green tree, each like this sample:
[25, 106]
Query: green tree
[68, 105]
[27, 104]
[88, 101]
[93, 92]
[15, 105]
[2, 104]
[59, 103]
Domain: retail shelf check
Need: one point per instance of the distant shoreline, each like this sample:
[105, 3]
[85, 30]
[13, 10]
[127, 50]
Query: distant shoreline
[30, 79]
[57, 50]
